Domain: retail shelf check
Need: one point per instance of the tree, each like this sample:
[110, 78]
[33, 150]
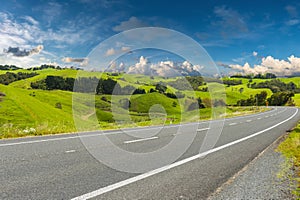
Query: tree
[261, 98]
[200, 104]
[108, 86]
[280, 98]
[174, 104]
[152, 90]
[241, 90]
[160, 88]
[139, 91]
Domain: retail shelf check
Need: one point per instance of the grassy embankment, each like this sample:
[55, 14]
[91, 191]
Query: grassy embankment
[290, 148]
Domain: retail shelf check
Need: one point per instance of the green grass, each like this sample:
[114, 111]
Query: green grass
[290, 148]
[24, 108]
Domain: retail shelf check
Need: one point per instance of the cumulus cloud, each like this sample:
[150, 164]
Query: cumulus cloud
[18, 52]
[254, 53]
[26, 31]
[110, 52]
[141, 67]
[82, 61]
[69, 59]
[164, 68]
[133, 22]
[124, 49]
[113, 51]
[288, 67]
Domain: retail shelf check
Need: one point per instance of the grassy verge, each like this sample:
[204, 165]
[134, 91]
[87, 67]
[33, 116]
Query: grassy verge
[9, 130]
[290, 148]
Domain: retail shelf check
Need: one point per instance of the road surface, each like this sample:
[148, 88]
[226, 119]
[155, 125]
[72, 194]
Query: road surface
[60, 167]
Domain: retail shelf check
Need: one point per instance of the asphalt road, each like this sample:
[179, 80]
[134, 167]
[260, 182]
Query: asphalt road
[62, 167]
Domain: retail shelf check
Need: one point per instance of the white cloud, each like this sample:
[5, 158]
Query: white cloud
[141, 67]
[113, 51]
[254, 53]
[133, 22]
[110, 52]
[279, 67]
[31, 20]
[81, 61]
[292, 22]
[69, 59]
[164, 68]
[25, 32]
[124, 49]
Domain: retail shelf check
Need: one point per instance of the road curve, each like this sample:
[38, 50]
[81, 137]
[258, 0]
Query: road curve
[60, 167]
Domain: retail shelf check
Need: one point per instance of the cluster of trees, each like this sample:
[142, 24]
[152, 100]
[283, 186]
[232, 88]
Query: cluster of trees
[281, 99]
[54, 83]
[98, 86]
[161, 88]
[230, 82]
[277, 99]
[45, 66]
[9, 67]
[187, 83]
[258, 76]
[265, 76]
[206, 103]
[9, 77]
[86, 85]
[257, 100]
[276, 85]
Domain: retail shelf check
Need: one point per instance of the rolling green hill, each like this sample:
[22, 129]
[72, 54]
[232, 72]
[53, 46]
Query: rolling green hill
[27, 111]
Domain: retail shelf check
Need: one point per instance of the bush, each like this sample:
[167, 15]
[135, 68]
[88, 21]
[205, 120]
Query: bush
[58, 105]
[12, 77]
[139, 91]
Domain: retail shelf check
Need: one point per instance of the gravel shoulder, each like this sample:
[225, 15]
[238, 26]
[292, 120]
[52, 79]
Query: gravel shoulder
[260, 179]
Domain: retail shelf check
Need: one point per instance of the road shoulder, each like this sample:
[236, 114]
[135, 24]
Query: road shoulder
[260, 179]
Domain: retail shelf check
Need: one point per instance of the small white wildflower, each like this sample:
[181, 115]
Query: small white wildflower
[32, 130]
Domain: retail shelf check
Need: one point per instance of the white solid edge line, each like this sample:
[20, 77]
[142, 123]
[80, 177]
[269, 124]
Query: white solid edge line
[140, 140]
[115, 132]
[181, 162]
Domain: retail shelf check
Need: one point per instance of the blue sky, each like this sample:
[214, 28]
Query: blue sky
[234, 33]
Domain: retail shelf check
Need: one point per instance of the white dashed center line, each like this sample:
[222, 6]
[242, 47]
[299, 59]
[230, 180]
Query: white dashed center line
[140, 140]
[202, 129]
[71, 151]
[232, 124]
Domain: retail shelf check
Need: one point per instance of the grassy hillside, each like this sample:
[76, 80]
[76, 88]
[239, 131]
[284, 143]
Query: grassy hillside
[51, 111]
